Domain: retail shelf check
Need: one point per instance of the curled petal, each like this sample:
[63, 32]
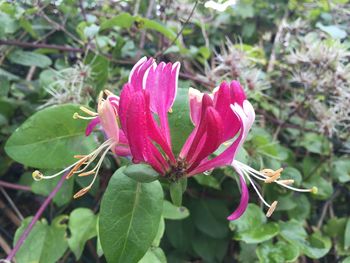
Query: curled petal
[211, 140]
[246, 116]
[160, 82]
[92, 124]
[238, 93]
[138, 72]
[244, 199]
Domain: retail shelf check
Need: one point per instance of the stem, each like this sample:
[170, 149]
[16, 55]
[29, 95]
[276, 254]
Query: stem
[36, 217]
[15, 186]
[32, 45]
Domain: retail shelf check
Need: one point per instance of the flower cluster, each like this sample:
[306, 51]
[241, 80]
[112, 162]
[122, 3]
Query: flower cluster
[136, 125]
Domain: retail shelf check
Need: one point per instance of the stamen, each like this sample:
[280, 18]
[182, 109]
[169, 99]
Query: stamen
[76, 167]
[286, 181]
[86, 173]
[82, 192]
[87, 111]
[77, 116]
[271, 209]
[108, 93]
[79, 156]
[170, 110]
[37, 175]
[274, 176]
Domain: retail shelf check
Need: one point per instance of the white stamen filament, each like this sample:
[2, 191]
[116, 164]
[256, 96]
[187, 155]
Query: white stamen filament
[256, 189]
[263, 177]
[93, 154]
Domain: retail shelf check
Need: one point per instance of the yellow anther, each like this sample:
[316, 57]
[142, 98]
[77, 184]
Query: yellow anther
[76, 167]
[314, 190]
[76, 115]
[274, 176]
[286, 182]
[87, 111]
[79, 156]
[82, 192]
[267, 172]
[37, 175]
[271, 209]
[170, 110]
[108, 93]
[86, 173]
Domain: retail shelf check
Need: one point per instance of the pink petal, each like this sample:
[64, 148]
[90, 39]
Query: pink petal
[195, 98]
[246, 117]
[212, 138]
[237, 92]
[244, 199]
[92, 124]
[138, 72]
[137, 127]
[191, 143]
[222, 102]
[161, 83]
[108, 119]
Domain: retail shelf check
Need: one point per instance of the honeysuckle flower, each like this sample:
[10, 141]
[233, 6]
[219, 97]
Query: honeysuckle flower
[136, 125]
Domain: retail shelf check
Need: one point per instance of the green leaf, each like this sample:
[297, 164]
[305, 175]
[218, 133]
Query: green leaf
[129, 217]
[82, 225]
[176, 192]
[324, 187]
[179, 120]
[213, 213]
[45, 187]
[154, 255]
[207, 180]
[124, 20]
[252, 217]
[160, 233]
[50, 138]
[208, 248]
[27, 58]
[315, 246]
[173, 212]
[8, 25]
[276, 253]
[141, 172]
[180, 233]
[45, 243]
[347, 235]
[258, 234]
[334, 31]
[341, 170]
[315, 143]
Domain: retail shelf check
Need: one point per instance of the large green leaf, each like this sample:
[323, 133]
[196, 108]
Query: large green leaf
[154, 255]
[82, 226]
[45, 243]
[129, 218]
[50, 138]
[27, 58]
[212, 213]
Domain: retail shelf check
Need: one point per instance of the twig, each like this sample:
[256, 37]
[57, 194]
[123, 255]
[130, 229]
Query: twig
[179, 33]
[12, 204]
[15, 186]
[11, 215]
[4, 245]
[81, 5]
[272, 59]
[32, 45]
[36, 217]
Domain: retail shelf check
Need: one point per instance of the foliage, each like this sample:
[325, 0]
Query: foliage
[292, 58]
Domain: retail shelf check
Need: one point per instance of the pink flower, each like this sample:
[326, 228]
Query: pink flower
[136, 125]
